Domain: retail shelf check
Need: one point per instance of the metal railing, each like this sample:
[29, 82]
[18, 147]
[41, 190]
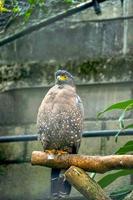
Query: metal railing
[33, 137]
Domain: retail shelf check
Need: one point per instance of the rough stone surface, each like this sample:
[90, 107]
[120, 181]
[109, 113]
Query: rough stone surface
[11, 151]
[89, 47]
[111, 33]
[92, 125]
[20, 106]
[98, 54]
[18, 116]
[97, 98]
[24, 182]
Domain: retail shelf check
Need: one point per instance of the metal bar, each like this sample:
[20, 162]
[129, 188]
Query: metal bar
[101, 133]
[130, 17]
[48, 21]
[18, 138]
[106, 133]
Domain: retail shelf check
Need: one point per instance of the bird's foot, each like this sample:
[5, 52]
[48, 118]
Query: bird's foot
[57, 152]
[61, 152]
[52, 151]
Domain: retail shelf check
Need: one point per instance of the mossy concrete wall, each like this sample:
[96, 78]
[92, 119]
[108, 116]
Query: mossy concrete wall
[75, 38]
[98, 54]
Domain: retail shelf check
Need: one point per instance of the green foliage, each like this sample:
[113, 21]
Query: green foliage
[125, 106]
[108, 179]
[37, 2]
[68, 1]
[28, 14]
[19, 9]
[122, 192]
[128, 147]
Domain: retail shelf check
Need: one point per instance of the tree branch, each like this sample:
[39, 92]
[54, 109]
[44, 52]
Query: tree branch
[84, 184]
[98, 164]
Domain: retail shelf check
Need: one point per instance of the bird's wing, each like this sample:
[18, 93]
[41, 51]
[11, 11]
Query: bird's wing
[80, 105]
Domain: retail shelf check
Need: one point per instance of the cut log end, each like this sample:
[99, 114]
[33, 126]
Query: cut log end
[84, 184]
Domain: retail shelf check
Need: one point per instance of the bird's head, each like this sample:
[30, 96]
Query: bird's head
[64, 77]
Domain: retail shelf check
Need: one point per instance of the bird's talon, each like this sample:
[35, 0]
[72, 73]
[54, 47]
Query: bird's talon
[58, 152]
[53, 151]
[61, 152]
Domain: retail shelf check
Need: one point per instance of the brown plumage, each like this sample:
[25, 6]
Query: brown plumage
[60, 117]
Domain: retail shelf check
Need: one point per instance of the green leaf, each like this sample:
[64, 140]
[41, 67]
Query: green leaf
[28, 14]
[68, 1]
[121, 118]
[128, 147]
[119, 194]
[32, 2]
[129, 126]
[118, 106]
[36, 2]
[16, 9]
[108, 179]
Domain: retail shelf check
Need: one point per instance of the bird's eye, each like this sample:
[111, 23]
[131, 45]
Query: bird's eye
[65, 77]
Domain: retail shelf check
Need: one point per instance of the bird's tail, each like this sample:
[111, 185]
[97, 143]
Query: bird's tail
[59, 186]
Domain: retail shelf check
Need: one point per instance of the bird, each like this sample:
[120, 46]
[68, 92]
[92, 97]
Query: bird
[60, 124]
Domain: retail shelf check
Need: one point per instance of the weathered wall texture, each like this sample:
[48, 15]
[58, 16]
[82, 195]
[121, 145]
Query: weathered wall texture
[86, 49]
[18, 116]
[75, 38]
[98, 54]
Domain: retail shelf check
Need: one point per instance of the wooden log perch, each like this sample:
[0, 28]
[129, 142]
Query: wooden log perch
[98, 164]
[84, 184]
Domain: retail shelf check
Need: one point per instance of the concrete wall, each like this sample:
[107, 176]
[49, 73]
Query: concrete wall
[75, 38]
[18, 116]
[98, 54]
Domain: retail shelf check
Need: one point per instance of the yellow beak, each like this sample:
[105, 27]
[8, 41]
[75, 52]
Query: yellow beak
[62, 78]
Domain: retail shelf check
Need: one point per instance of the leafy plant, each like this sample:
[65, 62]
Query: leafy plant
[128, 147]
[108, 179]
[122, 192]
[68, 1]
[124, 106]
[26, 10]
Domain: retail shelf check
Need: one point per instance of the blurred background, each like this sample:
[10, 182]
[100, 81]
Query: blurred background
[96, 49]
